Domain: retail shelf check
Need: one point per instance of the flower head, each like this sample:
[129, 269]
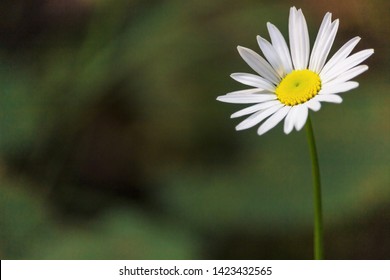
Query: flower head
[289, 82]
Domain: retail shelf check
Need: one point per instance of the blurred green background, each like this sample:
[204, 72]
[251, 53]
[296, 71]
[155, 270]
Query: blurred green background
[112, 145]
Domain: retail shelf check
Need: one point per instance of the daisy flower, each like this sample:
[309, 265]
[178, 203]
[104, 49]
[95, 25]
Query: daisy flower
[289, 82]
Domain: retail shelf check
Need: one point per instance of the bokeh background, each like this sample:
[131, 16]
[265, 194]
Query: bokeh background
[112, 145]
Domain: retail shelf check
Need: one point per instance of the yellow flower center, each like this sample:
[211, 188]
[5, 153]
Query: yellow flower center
[298, 87]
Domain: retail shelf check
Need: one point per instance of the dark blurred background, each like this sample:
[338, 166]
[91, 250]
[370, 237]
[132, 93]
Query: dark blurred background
[112, 145]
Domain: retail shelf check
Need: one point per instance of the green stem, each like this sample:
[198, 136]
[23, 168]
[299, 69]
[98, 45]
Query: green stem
[318, 230]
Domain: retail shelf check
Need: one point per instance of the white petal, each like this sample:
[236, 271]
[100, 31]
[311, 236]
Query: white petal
[245, 91]
[350, 74]
[257, 117]
[332, 98]
[255, 108]
[340, 55]
[271, 55]
[289, 121]
[299, 39]
[324, 47]
[326, 21]
[301, 116]
[293, 36]
[343, 87]
[253, 80]
[273, 120]
[305, 39]
[313, 104]
[346, 64]
[259, 64]
[246, 98]
[280, 46]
